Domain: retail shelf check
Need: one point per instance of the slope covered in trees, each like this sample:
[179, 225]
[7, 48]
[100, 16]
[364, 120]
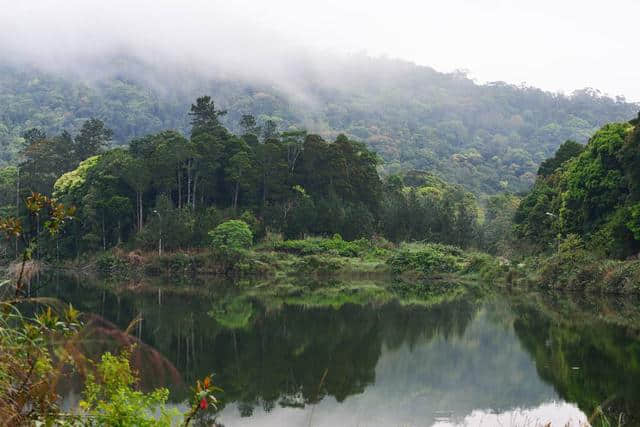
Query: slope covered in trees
[486, 137]
[593, 193]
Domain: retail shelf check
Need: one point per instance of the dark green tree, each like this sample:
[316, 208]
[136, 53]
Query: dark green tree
[93, 138]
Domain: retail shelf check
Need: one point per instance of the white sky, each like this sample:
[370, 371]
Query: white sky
[553, 44]
[558, 45]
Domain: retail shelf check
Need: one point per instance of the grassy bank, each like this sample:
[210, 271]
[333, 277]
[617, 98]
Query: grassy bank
[420, 268]
[313, 272]
[320, 258]
[576, 268]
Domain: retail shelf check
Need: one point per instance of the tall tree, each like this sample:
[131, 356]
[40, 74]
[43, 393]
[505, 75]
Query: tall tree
[249, 125]
[204, 115]
[237, 171]
[93, 138]
[294, 141]
[136, 174]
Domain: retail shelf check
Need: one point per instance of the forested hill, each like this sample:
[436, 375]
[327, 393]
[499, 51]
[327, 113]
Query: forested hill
[486, 137]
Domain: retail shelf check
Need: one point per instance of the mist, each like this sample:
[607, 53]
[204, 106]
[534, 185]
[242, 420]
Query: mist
[92, 39]
[292, 45]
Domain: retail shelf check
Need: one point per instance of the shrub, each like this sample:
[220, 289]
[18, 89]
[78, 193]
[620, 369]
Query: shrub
[316, 245]
[232, 235]
[487, 267]
[571, 266]
[30, 353]
[113, 266]
[109, 397]
[426, 259]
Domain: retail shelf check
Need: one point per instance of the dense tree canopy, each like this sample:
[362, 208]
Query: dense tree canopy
[486, 137]
[592, 193]
[178, 187]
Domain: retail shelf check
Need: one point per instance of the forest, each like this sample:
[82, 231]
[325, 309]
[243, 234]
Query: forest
[588, 191]
[332, 213]
[488, 138]
[180, 187]
[292, 220]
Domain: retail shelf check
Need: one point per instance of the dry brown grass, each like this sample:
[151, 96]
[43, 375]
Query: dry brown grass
[31, 269]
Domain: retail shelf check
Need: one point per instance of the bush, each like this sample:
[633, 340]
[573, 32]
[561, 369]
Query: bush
[426, 259]
[114, 266]
[317, 245]
[487, 267]
[30, 351]
[109, 397]
[570, 267]
[232, 235]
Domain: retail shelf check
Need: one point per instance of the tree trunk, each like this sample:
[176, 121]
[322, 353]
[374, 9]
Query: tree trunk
[264, 189]
[193, 194]
[104, 241]
[188, 182]
[189, 164]
[179, 189]
[235, 195]
[139, 210]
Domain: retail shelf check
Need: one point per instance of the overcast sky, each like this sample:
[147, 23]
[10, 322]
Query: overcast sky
[558, 45]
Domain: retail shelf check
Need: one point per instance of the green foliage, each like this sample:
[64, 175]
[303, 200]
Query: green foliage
[229, 242]
[483, 136]
[634, 221]
[316, 264]
[75, 179]
[318, 245]
[567, 151]
[426, 259]
[421, 206]
[571, 266]
[230, 236]
[591, 195]
[33, 351]
[111, 400]
[8, 186]
[498, 235]
[114, 266]
[486, 267]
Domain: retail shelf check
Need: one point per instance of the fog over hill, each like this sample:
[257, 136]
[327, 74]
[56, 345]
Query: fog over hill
[139, 69]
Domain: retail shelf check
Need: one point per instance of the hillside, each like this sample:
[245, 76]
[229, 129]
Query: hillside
[592, 194]
[486, 137]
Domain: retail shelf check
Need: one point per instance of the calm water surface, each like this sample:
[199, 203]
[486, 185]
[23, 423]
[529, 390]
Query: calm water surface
[518, 360]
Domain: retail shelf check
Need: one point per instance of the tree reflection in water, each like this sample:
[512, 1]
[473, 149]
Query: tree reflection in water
[371, 364]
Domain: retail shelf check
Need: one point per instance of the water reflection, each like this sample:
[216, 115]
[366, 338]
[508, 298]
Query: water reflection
[589, 361]
[465, 362]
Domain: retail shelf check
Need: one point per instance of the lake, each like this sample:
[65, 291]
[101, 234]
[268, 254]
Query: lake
[519, 359]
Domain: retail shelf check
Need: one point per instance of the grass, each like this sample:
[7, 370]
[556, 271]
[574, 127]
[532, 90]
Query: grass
[313, 272]
[583, 272]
